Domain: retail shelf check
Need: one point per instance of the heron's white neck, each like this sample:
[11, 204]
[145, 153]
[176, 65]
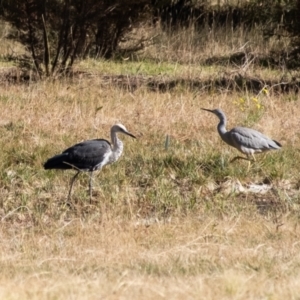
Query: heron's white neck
[117, 147]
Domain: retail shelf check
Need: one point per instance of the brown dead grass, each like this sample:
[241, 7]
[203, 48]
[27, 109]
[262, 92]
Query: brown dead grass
[216, 256]
[196, 257]
[85, 109]
[134, 242]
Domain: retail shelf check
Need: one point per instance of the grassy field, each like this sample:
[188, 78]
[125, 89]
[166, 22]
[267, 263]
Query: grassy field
[170, 219]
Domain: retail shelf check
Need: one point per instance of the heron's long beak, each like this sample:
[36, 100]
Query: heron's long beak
[130, 134]
[207, 110]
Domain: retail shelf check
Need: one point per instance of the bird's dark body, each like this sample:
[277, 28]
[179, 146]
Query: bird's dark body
[85, 156]
[89, 156]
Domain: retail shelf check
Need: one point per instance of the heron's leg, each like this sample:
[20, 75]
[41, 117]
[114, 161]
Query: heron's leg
[240, 157]
[91, 186]
[72, 182]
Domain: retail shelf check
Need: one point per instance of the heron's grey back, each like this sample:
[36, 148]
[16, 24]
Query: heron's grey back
[250, 138]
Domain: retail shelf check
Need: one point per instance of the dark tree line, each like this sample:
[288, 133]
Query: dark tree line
[57, 32]
[182, 13]
[279, 18]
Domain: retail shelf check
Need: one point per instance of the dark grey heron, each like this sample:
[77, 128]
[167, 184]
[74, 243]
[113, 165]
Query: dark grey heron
[89, 156]
[246, 140]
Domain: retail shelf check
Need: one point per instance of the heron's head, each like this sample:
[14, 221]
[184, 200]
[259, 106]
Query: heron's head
[218, 112]
[122, 129]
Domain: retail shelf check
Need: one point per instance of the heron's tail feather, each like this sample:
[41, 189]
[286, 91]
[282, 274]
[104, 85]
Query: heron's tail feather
[277, 144]
[58, 162]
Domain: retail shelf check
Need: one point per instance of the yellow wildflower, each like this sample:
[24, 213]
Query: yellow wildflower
[265, 91]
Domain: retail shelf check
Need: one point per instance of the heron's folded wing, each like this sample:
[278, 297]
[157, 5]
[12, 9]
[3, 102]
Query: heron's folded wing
[88, 154]
[252, 139]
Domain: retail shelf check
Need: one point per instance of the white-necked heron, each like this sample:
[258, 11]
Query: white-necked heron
[246, 140]
[89, 156]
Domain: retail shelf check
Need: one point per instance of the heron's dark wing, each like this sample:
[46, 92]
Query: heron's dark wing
[252, 139]
[89, 154]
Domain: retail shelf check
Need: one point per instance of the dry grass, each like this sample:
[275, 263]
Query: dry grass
[195, 46]
[224, 258]
[145, 236]
[165, 223]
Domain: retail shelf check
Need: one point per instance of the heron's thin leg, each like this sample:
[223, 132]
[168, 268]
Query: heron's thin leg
[249, 165]
[72, 182]
[240, 157]
[91, 186]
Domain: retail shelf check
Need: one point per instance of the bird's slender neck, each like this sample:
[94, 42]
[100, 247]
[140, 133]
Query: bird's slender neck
[117, 145]
[222, 125]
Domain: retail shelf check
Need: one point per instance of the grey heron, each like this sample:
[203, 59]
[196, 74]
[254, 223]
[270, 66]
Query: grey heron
[89, 156]
[246, 140]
